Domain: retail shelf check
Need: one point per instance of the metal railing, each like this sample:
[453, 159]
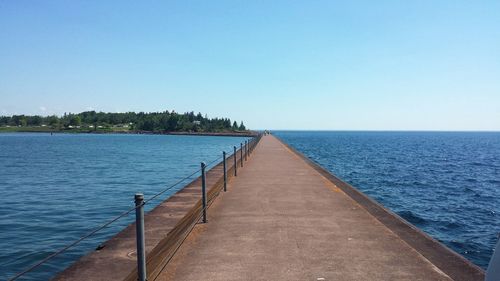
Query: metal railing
[245, 151]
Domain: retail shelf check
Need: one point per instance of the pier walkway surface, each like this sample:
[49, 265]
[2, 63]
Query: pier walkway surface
[281, 219]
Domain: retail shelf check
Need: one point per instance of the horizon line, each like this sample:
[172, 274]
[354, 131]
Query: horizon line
[382, 130]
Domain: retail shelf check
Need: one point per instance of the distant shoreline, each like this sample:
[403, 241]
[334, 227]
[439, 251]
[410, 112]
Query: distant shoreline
[215, 134]
[55, 131]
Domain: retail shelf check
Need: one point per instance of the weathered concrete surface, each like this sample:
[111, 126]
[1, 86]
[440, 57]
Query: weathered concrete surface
[283, 220]
[117, 260]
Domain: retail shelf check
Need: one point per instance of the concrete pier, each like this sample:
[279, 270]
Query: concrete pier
[166, 226]
[285, 218]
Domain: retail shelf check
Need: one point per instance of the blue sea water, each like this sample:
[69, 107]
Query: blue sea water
[445, 183]
[54, 189]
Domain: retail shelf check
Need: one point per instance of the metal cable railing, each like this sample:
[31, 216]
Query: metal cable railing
[64, 249]
[140, 207]
[171, 186]
[210, 202]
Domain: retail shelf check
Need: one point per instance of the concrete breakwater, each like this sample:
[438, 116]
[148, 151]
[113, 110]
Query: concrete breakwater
[286, 218]
[283, 217]
[166, 226]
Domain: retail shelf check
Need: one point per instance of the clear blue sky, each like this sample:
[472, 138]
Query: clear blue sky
[356, 65]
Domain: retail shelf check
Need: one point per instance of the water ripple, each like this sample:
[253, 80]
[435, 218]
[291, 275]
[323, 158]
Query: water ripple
[58, 188]
[447, 184]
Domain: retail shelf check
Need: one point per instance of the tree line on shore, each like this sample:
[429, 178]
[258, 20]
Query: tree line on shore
[151, 121]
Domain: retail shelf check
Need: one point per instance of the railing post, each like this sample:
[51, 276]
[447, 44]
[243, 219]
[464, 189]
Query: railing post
[203, 192]
[246, 150]
[225, 172]
[139, 233]
[235, 162]
[241, 154]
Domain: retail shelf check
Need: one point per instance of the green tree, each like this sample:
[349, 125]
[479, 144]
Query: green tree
[242, 127]
[75, 120]
[53, 120]
[34, 120]
[172, 123]
[23, 122]
[4, 120]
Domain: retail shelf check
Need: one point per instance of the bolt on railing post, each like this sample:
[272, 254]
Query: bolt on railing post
[246, 150]
[235, 162]
[139, 232]
[241, 154]
[203, 192]
[225, 172]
